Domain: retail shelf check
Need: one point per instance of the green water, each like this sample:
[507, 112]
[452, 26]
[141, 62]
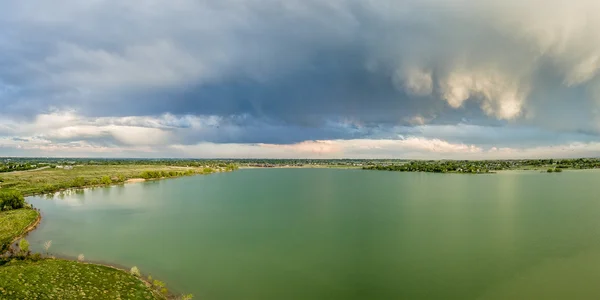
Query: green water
[343, 234]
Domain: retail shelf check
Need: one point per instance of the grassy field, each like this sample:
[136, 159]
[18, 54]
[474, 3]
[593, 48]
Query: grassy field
[63, 279]
[13, 223]
[50, 180]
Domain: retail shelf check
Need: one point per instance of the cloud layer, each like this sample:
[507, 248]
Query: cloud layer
[358, 78]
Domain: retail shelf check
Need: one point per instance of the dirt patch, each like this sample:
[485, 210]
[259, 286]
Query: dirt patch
[134, 180]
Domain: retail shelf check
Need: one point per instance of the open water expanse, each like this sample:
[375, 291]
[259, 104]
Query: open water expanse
[343, 234]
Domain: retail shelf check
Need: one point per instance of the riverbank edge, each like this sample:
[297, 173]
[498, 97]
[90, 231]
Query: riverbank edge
[505, 171]
[140, 278]
[143, 280]
[128, 181]
[38, 221]
[303, 167]
[32, 226]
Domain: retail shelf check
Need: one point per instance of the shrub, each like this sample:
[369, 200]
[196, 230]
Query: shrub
[160, 287]
[35, 257]
[78, 182]
[24, 245]
[158, 283]
[106, 180]
[151, 174]
[11, 199]
[135, 271]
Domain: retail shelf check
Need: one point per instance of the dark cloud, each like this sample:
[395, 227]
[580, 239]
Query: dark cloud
[287, 71]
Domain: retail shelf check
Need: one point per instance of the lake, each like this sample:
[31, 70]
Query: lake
[343, 234]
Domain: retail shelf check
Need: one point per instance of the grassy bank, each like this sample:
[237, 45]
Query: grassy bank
[13, 223]
[25, 276]
[63, 279]
[56, 179]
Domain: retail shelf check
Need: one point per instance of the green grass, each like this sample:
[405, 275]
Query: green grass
[49, 180]
[63, 279]
[13, 223]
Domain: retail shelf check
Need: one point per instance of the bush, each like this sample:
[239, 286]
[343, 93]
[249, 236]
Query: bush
[121, 178]
[24, 245]
[106, 180]
[11, 199]
[78, 182]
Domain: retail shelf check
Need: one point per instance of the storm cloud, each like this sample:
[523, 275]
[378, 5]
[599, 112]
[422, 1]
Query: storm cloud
[152, 78]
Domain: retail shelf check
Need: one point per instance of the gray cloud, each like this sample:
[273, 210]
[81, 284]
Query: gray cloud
[277, 71]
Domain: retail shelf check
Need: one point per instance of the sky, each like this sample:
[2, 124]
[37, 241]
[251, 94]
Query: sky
[414, 79]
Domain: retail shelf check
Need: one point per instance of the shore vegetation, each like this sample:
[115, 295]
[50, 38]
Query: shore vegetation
[485, 166]
[46, 278]
[14, 223]
[50, 180]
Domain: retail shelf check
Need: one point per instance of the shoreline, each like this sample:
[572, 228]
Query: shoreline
[140, 278]
[121, 268]
[134, 180]
[32, 226]
[128, 181]
[303, 167]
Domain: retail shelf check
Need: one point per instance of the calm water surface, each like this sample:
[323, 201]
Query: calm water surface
[343, 234]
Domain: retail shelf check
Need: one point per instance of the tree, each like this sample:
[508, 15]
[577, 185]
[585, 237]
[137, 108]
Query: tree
[11, 199]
